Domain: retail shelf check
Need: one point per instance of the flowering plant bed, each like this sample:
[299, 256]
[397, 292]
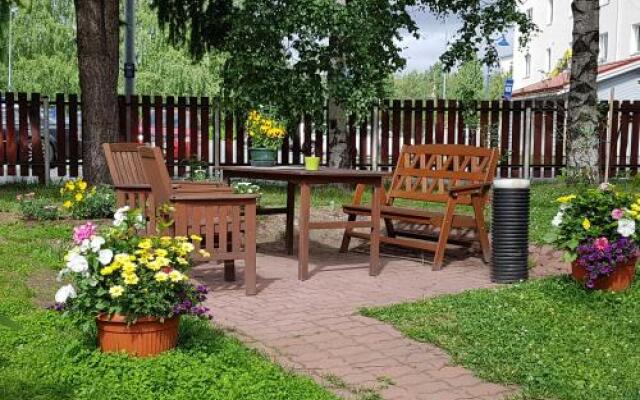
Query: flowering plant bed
[117, 276]
[596, 228]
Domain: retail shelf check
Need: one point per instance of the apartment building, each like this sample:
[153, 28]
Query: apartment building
[619, 49]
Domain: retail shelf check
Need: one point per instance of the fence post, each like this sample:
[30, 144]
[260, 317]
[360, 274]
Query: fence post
[216, 138]
[527, 139]
[374, 139]
[607, 144]
[47, 139]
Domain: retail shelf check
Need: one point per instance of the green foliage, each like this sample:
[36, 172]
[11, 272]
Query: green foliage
[296, 54]
[45, 58]
[37, 208]
[551, 337]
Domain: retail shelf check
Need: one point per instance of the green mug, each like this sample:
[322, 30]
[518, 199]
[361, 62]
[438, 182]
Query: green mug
[311, 163]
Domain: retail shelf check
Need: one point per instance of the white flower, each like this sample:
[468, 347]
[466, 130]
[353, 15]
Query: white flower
[96, 243]
[84, 246]
[61, 274]
[557, 220]
[105, 256]
[626, 227]
[140, 223]
[120, 215]
[64, 293]
[78, 263]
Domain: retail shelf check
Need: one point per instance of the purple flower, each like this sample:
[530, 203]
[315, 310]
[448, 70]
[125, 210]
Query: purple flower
[599, 257]
[83, 232]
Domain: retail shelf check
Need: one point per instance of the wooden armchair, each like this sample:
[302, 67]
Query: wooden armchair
[450, 175]
[226, 221]
[131, 186]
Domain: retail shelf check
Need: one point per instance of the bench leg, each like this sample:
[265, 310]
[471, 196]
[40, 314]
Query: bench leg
[391, 232]
[346, 236]
[250, 275]
[478, 209]
[229, 270]
[444, 235]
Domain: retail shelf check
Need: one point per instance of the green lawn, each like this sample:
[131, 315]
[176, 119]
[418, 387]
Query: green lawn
[48, 358]
[551, 337]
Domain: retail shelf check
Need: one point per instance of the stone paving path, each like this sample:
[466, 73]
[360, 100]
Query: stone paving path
[314, 326]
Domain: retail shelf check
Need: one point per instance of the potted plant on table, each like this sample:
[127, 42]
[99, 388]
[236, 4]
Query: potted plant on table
[596, 230]
[133, 288]
[267, 134]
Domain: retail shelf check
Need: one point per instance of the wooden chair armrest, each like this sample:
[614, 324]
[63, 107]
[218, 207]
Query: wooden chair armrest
[474, 188]
[212, 196]
[200, 187]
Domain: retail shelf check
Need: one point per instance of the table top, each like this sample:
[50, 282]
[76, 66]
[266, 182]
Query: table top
[299, 173]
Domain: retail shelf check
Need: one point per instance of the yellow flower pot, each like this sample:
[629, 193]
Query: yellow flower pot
[311, 163]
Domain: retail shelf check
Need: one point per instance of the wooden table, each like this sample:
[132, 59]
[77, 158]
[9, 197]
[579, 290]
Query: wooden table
[298, 176]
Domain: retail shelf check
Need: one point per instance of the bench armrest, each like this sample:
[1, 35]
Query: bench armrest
[132, 186]
[475, 188]
[196, 187]
[212, 196]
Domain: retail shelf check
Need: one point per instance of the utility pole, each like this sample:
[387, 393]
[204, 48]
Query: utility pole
[129, 53]
[12, 11]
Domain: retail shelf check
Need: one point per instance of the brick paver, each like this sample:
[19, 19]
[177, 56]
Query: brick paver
[314, 326]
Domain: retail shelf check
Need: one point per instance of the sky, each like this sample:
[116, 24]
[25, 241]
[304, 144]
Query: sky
[423, 52]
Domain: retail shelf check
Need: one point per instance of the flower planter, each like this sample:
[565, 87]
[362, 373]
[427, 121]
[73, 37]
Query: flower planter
[262, 157]
[146, 337]
[620, 279]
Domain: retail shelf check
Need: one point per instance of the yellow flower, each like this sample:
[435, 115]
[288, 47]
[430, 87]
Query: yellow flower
[176, 276]
[161, 276]
[128, 268]
[586, 224]
[131, 279]
[70, 185]
[79, 197]
[196, 238]
[165, 241]
[67, 204]
[116, 291]
[145, 244]
[82, 185]
[108, 270]
[566, 199]
[186, 247]
[204, 253]
[161, 252]
[182, 261]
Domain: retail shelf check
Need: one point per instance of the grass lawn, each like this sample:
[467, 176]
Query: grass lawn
[550, 336]
[48, 358]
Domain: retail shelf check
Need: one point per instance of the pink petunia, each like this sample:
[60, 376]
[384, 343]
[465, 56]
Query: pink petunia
[601, 243]
[617, 213]
[83, 232]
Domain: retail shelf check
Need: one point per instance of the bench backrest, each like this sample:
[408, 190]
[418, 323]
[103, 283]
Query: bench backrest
[426, 172]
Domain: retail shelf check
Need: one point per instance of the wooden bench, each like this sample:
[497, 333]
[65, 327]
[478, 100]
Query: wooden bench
[451, 175]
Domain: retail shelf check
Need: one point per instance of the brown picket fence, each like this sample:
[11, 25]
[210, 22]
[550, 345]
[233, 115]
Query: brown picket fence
[528, 133]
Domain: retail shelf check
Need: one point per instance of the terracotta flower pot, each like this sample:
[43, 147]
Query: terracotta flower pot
[620, 279]
[147, 337]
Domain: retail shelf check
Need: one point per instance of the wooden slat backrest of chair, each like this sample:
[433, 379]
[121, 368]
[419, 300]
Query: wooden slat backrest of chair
[124, 165]
[155, 173]
[426, 172]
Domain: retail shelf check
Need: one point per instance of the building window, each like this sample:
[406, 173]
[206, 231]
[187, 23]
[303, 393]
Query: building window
[603, 53]
[549, 11]
[635, 42]
[547, 59]
[527, 65]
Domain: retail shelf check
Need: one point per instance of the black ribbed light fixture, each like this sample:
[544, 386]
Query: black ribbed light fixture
[510, 230]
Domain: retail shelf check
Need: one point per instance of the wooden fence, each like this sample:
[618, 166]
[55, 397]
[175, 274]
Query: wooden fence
[530, 134]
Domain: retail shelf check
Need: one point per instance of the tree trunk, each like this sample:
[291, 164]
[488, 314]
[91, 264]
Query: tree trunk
[98, 37]
[337, 139]
[584, 116]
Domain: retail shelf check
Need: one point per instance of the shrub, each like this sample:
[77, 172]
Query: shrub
[37, 209]
[83, 202]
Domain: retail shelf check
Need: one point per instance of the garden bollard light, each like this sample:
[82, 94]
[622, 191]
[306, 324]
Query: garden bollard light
[510, 230]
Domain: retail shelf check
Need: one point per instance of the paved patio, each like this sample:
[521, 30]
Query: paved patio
[314, 326]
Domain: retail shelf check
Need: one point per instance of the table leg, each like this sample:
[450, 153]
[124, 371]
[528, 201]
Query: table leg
[303, 231]
[374, 266]
[291, 205]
